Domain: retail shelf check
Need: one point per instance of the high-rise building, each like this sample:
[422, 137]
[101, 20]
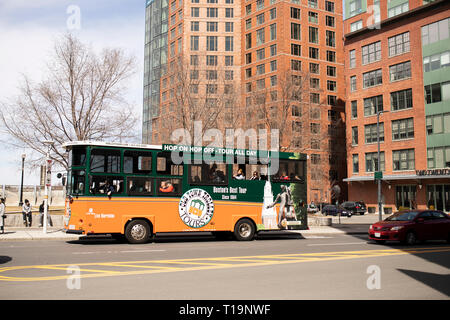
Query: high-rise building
[397, 55]
[262, 64]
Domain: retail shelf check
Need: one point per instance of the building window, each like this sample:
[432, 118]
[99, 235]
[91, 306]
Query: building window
[331, 56]
[211, 60]
[404, 7]
[352, 58]
[273, 50]
[195, 26]
[354, 107]
[355, 161]
[331, 100]
[211, 43]
[260, 54]
[212, 26]
[355, 7]
[273, 32]
[211, 12]
[273, 81]
[403, 129]
[194, 60]
[370, 133]
[401, 100]
[314, 98]
[436, 31]
[260, 69]
[331, 71]
[273, 13]
[248, 9]
[295, 31]
[398, 44]
[437, 92]
[373, 105]
[296, 49]
[260, 19]
[356, 25]
[372, 78]
[372, 161]
[229, 43]
[329, 6]
[439, 123]
[331, 85]
[353, 83]
[229, 13]
[312, 4]
[314, 68]
[296, 65]
[248, 41]
[438, 157]
[330, 38]
[371, 52]
[195, 12]
[273, 65]
[229, 26]
[354, 136]
[313, 17]
[295, 13]
[314, 53]
[313, 35]
[330, 21]
[248, 24]
[194, 43]
[259, 4]
[260, 37]
[403, 160]
[437, 61]
[400, 71]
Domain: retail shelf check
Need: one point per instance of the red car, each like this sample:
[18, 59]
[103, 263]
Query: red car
[412, 226]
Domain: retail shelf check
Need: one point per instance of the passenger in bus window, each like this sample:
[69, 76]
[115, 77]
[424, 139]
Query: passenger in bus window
[166, 186]
[284, 176]
[219, 176]
[109, 188]
[255, 176]
[239, 175]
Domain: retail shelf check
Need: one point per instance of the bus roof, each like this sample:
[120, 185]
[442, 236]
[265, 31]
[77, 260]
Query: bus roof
[67, 145]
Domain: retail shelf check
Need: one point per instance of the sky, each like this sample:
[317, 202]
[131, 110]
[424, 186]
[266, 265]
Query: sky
[28, 30]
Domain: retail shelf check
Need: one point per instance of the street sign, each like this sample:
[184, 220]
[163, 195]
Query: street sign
[378, 175]
[48, 179]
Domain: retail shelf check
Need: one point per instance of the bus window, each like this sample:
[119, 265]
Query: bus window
[290, 170]
[165, 166]
[256, 172]
[168, 187]
[208, 174]
[137, 162]
[77, 156]
[76, 182]
[139, 186]
[105, 160]
[103, 184]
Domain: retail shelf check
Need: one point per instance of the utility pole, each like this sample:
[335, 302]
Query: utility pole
[48, 182]
[21, 181]
[379, 172]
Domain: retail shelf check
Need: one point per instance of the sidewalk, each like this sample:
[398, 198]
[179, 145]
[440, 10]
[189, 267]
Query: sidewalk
[34, 233]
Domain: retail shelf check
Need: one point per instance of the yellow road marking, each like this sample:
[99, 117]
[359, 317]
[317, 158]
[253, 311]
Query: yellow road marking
[242, 261]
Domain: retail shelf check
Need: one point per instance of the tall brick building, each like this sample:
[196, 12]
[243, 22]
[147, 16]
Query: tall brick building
[397, 55]
[255, 44]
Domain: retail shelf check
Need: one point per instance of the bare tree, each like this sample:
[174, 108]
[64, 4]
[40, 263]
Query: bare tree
[79, 98]
[198, 98]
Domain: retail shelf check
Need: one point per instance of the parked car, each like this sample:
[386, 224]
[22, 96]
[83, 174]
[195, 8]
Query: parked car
[412, 226]
[356, 207]
[334, 210]
[312, 208]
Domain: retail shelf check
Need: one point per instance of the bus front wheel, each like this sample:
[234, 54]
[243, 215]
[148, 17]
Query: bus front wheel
[137, 231]
[244, 230]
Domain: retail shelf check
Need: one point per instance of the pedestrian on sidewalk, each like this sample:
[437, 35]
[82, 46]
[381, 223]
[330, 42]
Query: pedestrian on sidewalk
[2, 215]
[41, 215]
[26, 213]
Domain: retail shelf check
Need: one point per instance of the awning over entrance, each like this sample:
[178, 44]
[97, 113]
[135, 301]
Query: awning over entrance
[392, 177]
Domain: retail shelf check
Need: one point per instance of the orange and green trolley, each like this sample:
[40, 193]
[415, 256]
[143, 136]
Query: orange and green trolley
[138, 191]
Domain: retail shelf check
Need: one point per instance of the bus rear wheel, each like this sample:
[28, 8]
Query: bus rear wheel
[137, 231]
[244, 230]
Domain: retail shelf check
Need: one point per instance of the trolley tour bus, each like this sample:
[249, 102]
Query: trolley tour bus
[138, 191]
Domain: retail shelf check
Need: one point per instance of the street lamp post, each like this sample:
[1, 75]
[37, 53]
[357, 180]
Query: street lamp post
[47, 182]
[21, 181]
[379, 164]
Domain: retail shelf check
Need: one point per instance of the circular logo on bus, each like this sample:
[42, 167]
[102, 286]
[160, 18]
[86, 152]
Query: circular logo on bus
[196, 208]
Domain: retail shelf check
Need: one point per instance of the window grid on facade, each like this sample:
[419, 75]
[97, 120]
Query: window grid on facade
[400, 71]
[403, 160]
[401, 100]
[371, 52]
[398, 44]
[402, 129]
[370, 133]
